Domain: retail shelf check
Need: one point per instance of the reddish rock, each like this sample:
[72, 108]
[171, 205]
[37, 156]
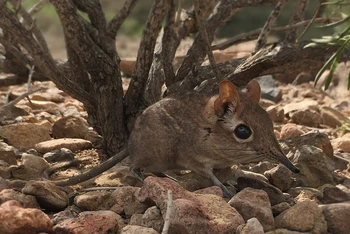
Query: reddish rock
[337, 216]
[252, 203]
[7, 153]
[290, 130]
[205, 212]
[93, 200]
[15, 219]
[70, 127]
[101, 222]
[305, 216]
[27, 201]
[123, 201]
[332, 117]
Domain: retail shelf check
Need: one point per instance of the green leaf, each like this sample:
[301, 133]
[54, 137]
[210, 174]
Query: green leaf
[337, 23]
[331, 62]
[331, 72]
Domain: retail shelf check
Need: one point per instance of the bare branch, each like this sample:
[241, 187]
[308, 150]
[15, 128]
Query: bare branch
[204, 35]
[252, 34]
[133, 96]
[37, 7]
[297, 16]
[270, 22]
[224, 10]
[270, 60]
[22, 96]
[117, 21]
[30, 23]
[169, 209]
[9, 23]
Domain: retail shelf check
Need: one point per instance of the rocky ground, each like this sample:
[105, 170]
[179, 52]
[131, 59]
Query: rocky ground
[50, 131]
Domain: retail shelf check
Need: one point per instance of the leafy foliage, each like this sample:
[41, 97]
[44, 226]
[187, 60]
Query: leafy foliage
[342, 39]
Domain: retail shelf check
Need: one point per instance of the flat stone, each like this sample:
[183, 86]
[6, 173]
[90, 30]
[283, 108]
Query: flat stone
[24, 136]
[70, 143]
[93, 200]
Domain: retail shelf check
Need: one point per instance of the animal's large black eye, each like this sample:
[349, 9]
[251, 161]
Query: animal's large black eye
[242, 131]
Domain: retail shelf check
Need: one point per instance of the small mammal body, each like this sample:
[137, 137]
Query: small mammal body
[200, 132]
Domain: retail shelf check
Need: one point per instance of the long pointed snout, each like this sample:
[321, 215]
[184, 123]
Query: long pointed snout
[286, 162]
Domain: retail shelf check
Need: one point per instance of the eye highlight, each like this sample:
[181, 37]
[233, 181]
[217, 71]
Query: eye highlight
[242, 131]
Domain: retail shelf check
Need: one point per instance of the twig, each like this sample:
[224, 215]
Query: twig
[316, 13]
[297, 16]
[178, 13]
[37, 7]
[169, 208]
[117, 21]
[252, 34]
[270, 22]
[31, 72]
[22, 96]
[204, 35]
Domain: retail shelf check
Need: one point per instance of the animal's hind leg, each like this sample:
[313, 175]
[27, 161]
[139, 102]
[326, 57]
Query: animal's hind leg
[137, 173]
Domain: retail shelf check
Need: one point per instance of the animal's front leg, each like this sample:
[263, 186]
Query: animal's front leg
[209, 173]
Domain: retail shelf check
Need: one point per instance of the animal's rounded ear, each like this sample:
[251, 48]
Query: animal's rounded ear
[228, 93]
[254, 90]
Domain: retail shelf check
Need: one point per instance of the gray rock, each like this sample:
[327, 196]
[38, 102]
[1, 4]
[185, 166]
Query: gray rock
[59, 155]
[49, 196]
[313, 165]
[269, 89]
[252, 226]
